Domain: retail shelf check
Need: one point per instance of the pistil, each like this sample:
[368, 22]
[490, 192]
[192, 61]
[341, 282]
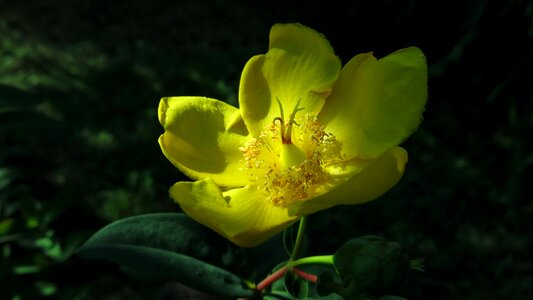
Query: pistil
[290, 154]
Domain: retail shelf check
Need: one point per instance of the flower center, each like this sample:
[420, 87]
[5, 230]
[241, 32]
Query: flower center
[289, 160]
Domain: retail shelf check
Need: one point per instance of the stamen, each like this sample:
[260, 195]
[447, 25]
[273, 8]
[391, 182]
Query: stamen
[289, 173]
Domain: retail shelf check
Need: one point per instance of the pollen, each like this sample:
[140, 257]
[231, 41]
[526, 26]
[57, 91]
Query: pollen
[283, 186]
[295, 183]
[313, 132]
[251, 152]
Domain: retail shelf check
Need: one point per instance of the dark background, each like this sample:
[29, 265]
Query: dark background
[80, 83]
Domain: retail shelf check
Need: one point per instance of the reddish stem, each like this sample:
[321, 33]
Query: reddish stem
[279, 273]
[271, 278]
[304, 275]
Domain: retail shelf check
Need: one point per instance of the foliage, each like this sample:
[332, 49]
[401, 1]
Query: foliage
[78, 128]
[171, 246]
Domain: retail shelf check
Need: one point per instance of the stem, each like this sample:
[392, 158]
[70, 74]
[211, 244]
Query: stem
[299, 238]
[323, 259]
[271, 278]
[319, 260]
[305, 275]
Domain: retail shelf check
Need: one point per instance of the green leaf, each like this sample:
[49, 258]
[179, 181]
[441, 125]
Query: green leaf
[5, 226]
[277, 296]
[172, 247]
[417, 264]
[46, 288]
[296, 286]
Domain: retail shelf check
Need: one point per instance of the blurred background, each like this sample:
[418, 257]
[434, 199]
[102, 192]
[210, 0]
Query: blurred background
[80, 83]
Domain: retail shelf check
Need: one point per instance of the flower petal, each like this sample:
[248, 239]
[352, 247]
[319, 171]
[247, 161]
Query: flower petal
[298, 70]
[243, 215]
[202, 138]
[376, 104]
[366, 185]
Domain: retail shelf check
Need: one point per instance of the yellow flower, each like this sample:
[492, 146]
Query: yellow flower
[307, 135]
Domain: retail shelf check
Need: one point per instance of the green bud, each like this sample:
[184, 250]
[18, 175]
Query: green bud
[372, 265]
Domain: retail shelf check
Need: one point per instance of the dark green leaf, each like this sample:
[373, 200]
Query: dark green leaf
[169, 246]
[277, 296]
[279, 292]
[296, 286]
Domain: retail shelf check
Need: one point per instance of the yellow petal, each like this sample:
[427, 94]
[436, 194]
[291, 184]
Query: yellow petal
[202, 138]
[243, 215]
[376, 104]
[373, 181]
[300, 67]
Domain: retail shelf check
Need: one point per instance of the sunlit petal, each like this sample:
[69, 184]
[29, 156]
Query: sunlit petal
[298, 70]
[242, 215]
[370, 181]
[202, 138]
[376, 104]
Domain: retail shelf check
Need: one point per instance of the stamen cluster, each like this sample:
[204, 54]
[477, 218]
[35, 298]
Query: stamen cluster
[261, 160]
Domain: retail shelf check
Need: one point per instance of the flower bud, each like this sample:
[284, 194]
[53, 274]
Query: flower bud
[371, 265]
